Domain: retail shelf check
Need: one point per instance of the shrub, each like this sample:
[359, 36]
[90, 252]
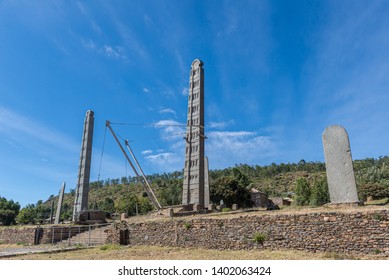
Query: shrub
[375, 190]
[319, 194]
[302, 192]
[187, 225]
[260, 237]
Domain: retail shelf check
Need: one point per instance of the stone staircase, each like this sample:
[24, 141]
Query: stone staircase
[90, 237]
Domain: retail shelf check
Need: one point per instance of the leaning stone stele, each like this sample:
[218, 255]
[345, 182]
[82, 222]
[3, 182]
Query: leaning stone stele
[339, 165]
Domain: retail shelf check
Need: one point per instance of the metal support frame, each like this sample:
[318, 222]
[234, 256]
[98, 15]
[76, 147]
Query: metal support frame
[145, 183]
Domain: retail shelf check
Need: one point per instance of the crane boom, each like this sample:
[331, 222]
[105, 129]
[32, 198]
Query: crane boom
[143, 179]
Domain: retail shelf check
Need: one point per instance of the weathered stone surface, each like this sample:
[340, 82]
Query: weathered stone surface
[123, 216]
[82, 189]
[91, 217]
[317, 232]
[193, 187]
[13, 235]
[59, 206]
[206, 183]
[339, 166]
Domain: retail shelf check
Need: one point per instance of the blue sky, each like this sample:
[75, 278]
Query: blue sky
[276, 74]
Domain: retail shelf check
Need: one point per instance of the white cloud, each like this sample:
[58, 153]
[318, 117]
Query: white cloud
[88, 44]
[233, 147]
[171, 130]
[166, 161]
[146, 90]
[18, 128]
[185, 91]
[114, 52]
[146, 152]
[347, 80]
[109, 51]
[167, 111]
[220, 124]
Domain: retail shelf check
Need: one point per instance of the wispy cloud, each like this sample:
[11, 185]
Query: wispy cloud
[185, 91]
[146, 90]
[34, 150]
[220, 125]
[18, 128]
[347, 81]
[113, 52]
[232, 147]
[170, 130]
[146, 152]
[88, 44]
[165, 161]
[224, 148]
[167, 111]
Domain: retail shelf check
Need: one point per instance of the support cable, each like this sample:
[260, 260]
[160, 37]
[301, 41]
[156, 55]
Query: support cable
[146, 187]
[102, 153]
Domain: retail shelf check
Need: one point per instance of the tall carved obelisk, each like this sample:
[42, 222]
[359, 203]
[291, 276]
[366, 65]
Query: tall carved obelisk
[82, 189]
[193, 188]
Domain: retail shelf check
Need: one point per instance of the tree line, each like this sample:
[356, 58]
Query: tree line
[306, 181]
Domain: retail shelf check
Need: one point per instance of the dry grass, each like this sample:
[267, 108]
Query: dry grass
[260, 212]
[173, 253]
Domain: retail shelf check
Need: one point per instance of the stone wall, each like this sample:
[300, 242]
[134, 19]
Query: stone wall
[348, 233]
[14, 235]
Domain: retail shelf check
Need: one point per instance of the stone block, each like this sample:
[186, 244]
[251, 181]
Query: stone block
[170, 212]
[123, 216]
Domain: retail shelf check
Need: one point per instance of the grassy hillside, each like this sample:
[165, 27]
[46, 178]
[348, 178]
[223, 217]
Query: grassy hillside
[127, 195]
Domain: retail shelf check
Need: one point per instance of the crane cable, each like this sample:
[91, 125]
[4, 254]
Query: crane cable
[102, 153]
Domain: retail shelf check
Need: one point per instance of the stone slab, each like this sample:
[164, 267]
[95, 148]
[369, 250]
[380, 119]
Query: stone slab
[339, 165]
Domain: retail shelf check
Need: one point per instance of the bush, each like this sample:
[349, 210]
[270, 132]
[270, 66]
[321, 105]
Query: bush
[187, 225]
[8, 211]
[374, 190]
[260, 237]
[302, 192]
[231, 189]
[319, 193]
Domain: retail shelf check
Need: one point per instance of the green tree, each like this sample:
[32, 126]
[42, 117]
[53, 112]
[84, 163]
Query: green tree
[27, 215]
[375, 190]
[319, 194]
[302, 192]
[231, 189]
[108, 205]
[145, 205]
[8, 211]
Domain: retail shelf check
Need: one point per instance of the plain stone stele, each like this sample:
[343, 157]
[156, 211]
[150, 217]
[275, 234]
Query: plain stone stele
[339, 165]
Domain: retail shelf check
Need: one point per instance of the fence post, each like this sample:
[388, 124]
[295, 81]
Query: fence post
[101, 233]
[52, 235]
[69, 235]
[89, 235]
[36, 241]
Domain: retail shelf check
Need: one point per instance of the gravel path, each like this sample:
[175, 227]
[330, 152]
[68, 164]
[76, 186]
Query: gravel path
[24, 250]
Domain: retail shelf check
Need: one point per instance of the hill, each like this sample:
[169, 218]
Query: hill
[126, 194]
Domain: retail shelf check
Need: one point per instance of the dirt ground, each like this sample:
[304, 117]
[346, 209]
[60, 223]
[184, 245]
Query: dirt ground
[115, 252]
